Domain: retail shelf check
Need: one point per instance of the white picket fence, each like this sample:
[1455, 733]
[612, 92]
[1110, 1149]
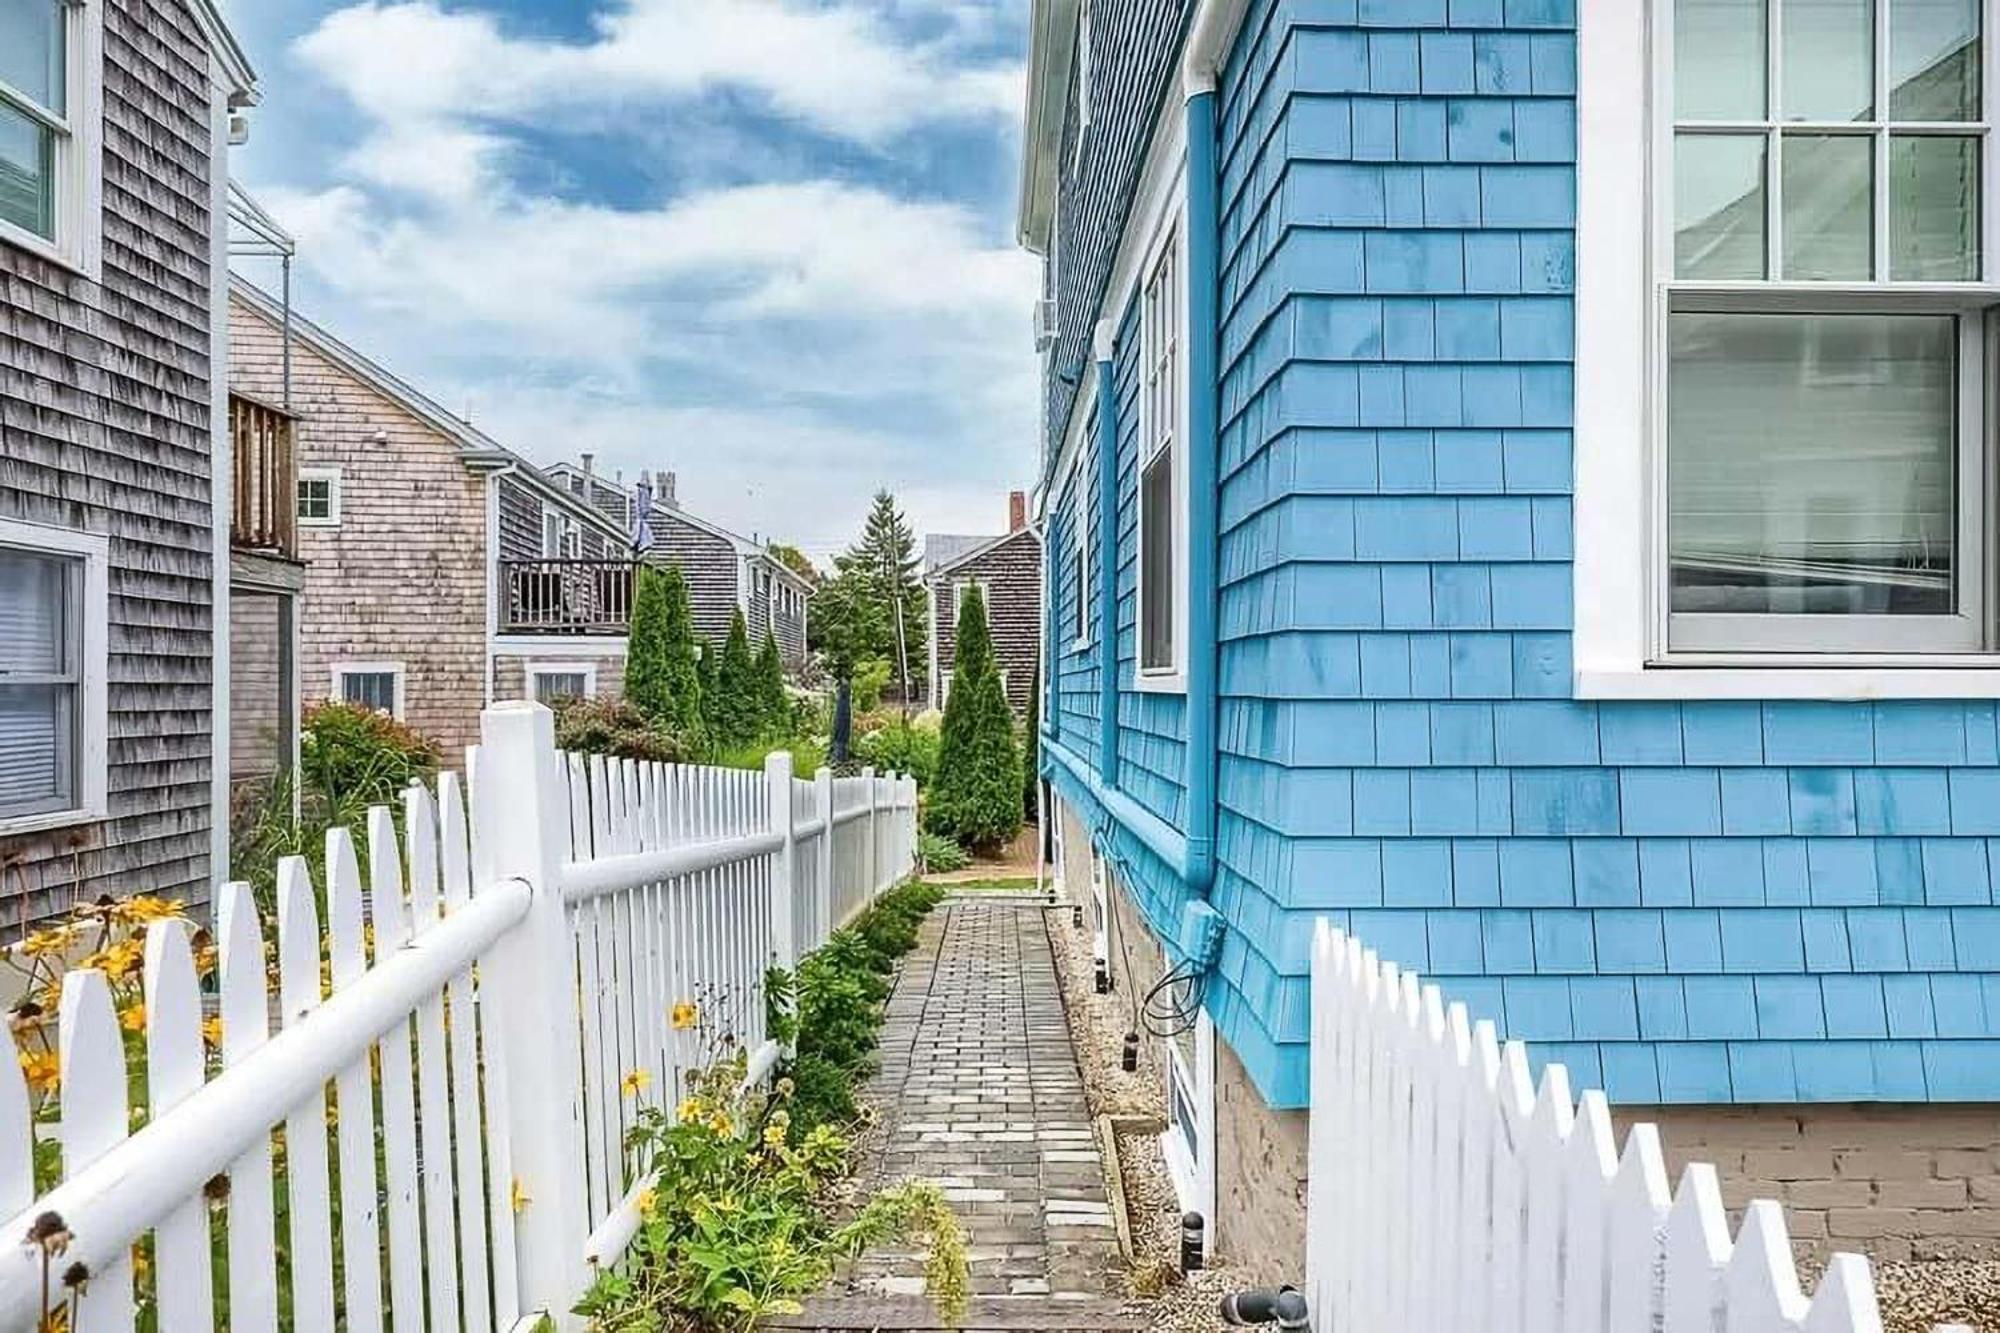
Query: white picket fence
[505, 1025]
[1447, 1191]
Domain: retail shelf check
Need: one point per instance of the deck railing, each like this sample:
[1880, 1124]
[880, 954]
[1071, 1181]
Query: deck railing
[565, 596]
[264, 510]
[495, 990]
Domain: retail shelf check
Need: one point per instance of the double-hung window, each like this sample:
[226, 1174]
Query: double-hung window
[1163, 394]
[1823, 335]
[52, 676]
[48, 134]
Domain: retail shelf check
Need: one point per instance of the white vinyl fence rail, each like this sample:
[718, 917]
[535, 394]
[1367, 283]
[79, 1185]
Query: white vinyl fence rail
[495, 995]
[1447, 1191]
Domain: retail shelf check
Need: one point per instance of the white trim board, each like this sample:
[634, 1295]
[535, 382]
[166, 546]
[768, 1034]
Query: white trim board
[558, 645]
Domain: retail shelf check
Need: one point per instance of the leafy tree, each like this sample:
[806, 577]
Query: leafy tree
[848, 625]
[736, 706]
[792, 558]
[976, 799]
[662, 678]
[774, 706]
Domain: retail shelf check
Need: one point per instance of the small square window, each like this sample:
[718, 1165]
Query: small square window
[319, 497]
[376, 685]
[552, 683]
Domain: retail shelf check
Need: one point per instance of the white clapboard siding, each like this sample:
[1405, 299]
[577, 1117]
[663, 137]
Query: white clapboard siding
[552, 942]
[1449, 1190]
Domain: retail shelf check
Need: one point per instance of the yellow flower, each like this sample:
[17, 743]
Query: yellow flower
[635, 1082]
[721, 1123]
[148, 907]
[42, 1069]
[774, 1136]
[690, 1110]
[786, 1087]
[646, 1198]
[685, 1016]
[518, 1197]
[211, 1030]
[133, 1017]
[54, 940]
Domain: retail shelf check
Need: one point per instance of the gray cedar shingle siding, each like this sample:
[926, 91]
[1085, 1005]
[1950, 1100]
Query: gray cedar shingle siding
[520, 522]
[105, 427]
[709, 564]
[403, 578]
[1012, 573]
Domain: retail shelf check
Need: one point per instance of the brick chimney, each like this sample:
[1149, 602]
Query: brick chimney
[1017, 511]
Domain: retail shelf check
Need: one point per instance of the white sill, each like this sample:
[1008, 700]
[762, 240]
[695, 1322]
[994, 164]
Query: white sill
[1160, 682]
[54, 819]
[1079, 646]
[1794, 682]
[43, 248]
[319, 523]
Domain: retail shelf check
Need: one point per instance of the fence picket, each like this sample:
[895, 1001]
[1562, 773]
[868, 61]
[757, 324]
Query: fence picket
[310, 1213]
[354, 1093]
[469, 1193]
[93, 1122]
[245, 1013]
[399, 1107]
[493, 1052]
[433, 1086]
[176, 1065]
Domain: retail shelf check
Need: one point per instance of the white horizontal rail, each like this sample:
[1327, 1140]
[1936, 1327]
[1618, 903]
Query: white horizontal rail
[584, 880]
[841, 818]
[131, 1188]
[809, 828]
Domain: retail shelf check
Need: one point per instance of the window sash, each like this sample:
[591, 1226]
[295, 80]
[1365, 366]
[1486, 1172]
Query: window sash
[41, 693]
[360, 688]
[553, 685]
[1159, 630]
[56, 122]
[1159, 488]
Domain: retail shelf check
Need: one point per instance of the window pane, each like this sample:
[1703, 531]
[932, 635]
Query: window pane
[1719, 206]
[37, 748]
[1719, 62]
[31, 49]
[1829, 59]
[1156, 568]
[1934, 53]
[1810, 464]
[1829, 222]
[34, 615]
[27, 172]
[551, 686]
[1933, 208]
[370, 689]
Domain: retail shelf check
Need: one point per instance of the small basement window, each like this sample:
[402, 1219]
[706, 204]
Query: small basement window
[552, 682]
[376, 685]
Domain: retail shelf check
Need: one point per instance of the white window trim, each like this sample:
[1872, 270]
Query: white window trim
[1169, 230]
[79, 166]
[93, 695]
[958, 587]
[588, 670]
[331, 476]
[1193, 1177]
[341, 670]
[1618, 602]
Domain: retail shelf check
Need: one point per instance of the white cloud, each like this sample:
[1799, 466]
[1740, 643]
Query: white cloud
[788, 346]
[835, 67]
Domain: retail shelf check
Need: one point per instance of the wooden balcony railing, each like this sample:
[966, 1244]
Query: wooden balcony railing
[265, 497]
[565, 596]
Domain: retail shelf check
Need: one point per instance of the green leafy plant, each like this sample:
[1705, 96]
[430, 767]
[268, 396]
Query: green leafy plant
[977, 796]
[737, 721]
[774, 703]
[902, 747]
[742, 1217]
[940, 854]
[617, 727]
[1031, 752]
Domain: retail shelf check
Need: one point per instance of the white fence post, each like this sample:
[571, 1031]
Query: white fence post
[823, 801]
[873, 885]
[530, 980]
[784, 862]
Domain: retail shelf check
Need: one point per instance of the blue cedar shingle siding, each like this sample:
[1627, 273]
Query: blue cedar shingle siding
[1700, 901]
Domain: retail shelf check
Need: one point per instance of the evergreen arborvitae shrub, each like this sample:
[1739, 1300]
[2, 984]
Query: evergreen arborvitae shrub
[976, 799]
[662, 678]
[1031, 751]
[736, 709]
[774, 706]
[709, 667]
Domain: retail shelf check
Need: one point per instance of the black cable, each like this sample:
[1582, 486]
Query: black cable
[1174, 1003]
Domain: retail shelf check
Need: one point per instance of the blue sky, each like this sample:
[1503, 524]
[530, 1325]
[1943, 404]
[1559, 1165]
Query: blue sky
[764, 243]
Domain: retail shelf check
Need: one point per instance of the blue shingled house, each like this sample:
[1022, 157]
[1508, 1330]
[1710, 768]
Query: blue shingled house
[1518, 481]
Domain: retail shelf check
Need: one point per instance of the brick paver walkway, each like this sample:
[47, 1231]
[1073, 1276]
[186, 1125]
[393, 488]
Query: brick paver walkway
[979, 1092]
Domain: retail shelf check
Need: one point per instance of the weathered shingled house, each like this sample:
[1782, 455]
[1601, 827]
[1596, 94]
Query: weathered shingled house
[727, 573]
[1008, 572]
[114, 517]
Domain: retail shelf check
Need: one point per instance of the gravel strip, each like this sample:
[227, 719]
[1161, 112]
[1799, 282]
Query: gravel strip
[1918, 1295]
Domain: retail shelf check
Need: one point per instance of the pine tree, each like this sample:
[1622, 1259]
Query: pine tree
[774, 706]
[977, 796]
[661, 676]
[736, 716]
[885, 561]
